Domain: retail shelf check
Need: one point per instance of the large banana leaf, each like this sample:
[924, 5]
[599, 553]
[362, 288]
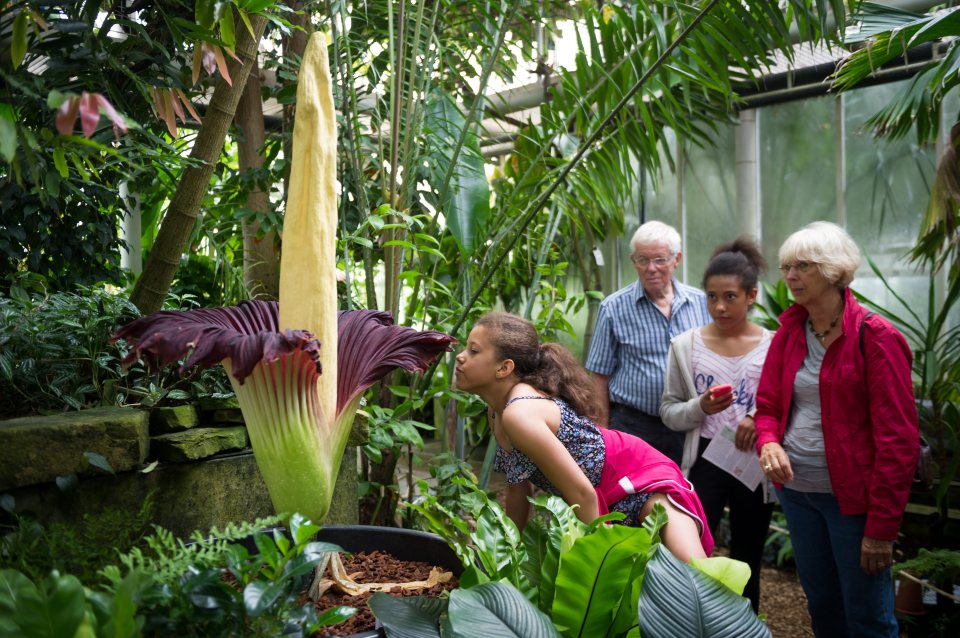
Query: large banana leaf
[594, 579]
[494, 609]
[466, 201]
[677, 601]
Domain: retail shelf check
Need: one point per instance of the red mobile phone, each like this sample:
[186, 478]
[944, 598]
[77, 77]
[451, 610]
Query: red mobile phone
[720, 390]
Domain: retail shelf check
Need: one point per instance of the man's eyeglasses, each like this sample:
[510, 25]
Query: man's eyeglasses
[802, 267]
[643, 262]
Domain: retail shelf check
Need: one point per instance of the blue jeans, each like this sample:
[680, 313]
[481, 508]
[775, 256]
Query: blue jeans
[842, 598]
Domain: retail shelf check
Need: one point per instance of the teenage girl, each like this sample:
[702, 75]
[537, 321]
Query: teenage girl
[727, 352]
[540, 402]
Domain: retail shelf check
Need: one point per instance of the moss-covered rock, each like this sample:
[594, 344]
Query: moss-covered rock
[212, 404]
[359, 432]
[345, 505]
[215, 412]
[38, 449]
[197, 443]
[221, 418]
[186, 496]
[173, 419]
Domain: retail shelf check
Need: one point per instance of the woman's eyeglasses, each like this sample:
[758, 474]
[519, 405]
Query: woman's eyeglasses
[802, 267]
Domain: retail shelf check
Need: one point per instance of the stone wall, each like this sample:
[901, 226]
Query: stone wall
[196, 462]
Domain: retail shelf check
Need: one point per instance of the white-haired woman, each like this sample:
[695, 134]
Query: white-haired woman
[837, 431]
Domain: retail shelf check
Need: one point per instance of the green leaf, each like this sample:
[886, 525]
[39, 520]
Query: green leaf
[67, 483]
[246, 20]
[55, 609]
[336, 615]
[18, 43]
[150, 467]
[698, 604]
[594, 578]
[534, 537]
[98, 461]
[55, 98]
[254, 6]
[301, 529]
[268, 550]
[60, 162]
[466, 200]
[124, 613]
[498, 545]
[562, 532]
[204, 12]
[732, 573]
[226, 27]
[260, 595]
[411, 617]
[8, 133]
[495, 609]
[14, 586]
[300, 566]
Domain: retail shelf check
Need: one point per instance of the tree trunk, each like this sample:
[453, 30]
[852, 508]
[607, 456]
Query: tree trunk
[261, 259]
[178, 223]
[294, 44]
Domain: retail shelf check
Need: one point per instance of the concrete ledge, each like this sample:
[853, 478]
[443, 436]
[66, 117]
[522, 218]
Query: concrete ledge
[38, 449]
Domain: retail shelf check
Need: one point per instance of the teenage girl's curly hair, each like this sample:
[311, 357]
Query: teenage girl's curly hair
[741, 258]
[548, 367]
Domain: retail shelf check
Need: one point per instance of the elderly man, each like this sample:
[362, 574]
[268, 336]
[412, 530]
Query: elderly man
[628, 354]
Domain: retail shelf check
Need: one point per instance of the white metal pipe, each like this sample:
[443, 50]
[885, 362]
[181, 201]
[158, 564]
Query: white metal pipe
[747, 154]
[130, 230]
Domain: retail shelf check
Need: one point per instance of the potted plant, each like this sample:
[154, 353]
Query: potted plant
[940, 567]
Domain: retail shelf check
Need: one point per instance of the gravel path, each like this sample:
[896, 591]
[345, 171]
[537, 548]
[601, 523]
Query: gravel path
[783, 602]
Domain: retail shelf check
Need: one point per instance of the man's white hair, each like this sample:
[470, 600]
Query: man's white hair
[656, 233]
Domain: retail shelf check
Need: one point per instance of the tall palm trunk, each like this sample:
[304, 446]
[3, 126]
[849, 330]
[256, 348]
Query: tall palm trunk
[152, 286]
[261, 260]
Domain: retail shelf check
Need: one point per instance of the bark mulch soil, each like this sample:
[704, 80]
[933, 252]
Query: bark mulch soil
[783, 602]
[375, 567]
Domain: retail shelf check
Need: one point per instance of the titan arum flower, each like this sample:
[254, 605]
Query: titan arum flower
[299, 368]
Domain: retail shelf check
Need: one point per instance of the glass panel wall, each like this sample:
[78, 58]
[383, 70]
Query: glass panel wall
[709, 201]
[798, 169]
[887, 186]
[806, 151]
[660, 202]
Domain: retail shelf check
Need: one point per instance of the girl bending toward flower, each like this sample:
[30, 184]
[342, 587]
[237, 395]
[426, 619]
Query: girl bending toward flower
[541, 405]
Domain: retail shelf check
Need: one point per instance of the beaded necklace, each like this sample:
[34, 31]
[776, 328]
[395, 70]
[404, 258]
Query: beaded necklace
[823, 335]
